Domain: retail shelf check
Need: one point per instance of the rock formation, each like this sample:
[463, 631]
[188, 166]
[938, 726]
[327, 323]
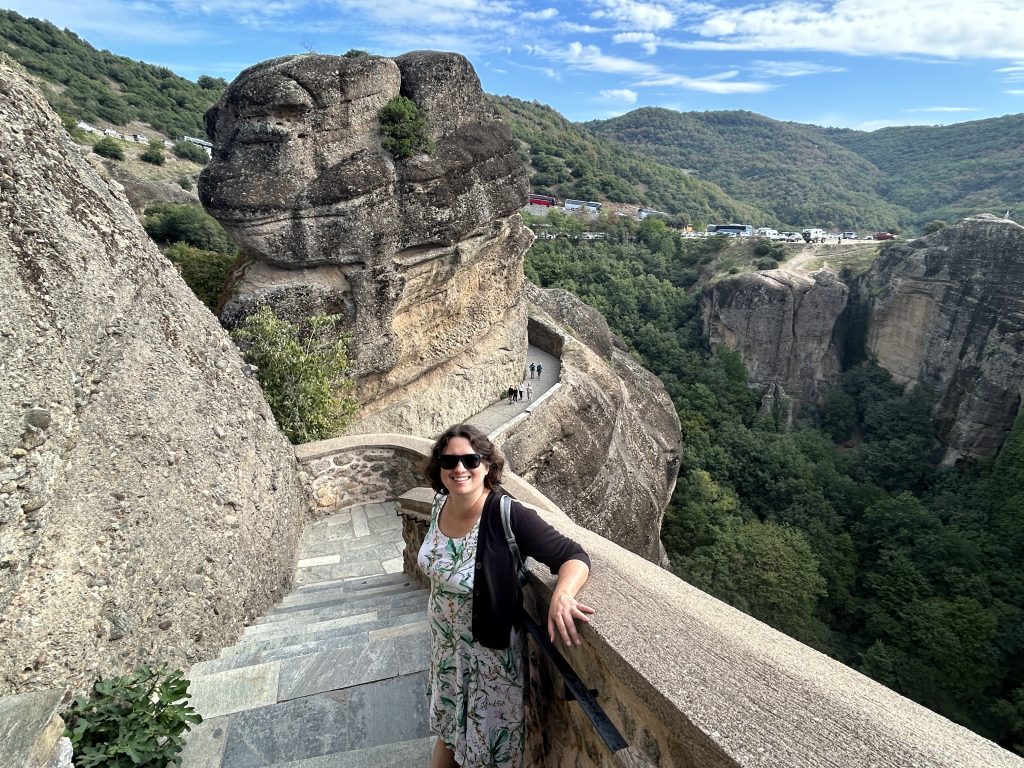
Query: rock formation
[782, 325]
[947, 313]
[148, 504]
[422, 257]
[606, 445]
[942, 312]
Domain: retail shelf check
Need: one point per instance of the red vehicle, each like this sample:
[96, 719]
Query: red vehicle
[542, 200]
[883, 236]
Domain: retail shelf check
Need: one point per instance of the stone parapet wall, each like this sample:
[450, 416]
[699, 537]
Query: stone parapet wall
[689, 681]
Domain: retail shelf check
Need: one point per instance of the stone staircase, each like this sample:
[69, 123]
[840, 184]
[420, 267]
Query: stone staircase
[335, 675]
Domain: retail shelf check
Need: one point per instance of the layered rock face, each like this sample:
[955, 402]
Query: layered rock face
[947, 313]
[782, 325]
[421, 257]
[606, 445]
[148, 504]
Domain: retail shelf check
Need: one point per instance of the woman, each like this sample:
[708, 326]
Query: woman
[476, 671]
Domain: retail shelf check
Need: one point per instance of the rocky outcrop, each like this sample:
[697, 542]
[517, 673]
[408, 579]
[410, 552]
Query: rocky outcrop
[149, 506]
[606, 445]
[421, 257]
[782, 325]
[947, 314]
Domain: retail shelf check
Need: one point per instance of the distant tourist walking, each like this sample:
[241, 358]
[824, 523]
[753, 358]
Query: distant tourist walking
[532, 369]
[510, 394]
[540, 368]
[529, 391]
[520, 392]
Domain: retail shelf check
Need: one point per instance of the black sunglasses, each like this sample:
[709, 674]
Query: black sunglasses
[451, 460]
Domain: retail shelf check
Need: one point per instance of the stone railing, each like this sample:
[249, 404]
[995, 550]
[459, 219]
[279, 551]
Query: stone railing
[32, 731]
[688, 680]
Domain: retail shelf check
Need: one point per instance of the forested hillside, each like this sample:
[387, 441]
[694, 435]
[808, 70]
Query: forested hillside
[842, 531]
[569, 161]
[947, 172]
[86, 84]
[800, 177]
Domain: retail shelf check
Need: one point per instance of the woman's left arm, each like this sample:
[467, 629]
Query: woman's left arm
[565, 609]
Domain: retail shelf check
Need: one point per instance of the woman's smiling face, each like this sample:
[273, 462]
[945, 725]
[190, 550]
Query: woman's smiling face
[461, 481]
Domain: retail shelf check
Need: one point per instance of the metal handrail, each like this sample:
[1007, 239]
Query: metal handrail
[588, 702]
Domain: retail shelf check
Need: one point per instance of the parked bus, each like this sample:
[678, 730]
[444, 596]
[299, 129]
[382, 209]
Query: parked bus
[542, 200]
[575, 205]
[732, 230]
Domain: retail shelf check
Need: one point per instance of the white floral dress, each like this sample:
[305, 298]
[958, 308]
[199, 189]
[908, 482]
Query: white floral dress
[476, 693]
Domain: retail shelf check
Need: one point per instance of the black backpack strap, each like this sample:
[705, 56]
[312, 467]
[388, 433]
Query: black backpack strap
[506, 523]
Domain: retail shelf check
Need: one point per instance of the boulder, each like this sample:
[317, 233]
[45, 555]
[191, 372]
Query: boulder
[421, 257]
[947, 314]
[149, 507]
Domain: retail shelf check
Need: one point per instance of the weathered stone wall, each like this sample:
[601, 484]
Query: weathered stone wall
[149, 507]
[421, 257]
[606, 446]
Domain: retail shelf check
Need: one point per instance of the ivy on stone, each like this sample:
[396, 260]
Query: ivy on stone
[404, 128]
[303, 372]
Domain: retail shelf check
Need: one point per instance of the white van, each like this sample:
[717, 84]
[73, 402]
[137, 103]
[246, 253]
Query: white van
[813, 235]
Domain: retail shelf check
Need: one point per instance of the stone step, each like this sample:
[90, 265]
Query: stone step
[384, 605]
[341, 606]
[353, 584]
[311, 600]
[370, 726]
[385, 655]
[337, 628]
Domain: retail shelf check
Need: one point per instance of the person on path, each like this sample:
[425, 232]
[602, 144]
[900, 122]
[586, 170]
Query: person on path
[510, 394]
[532, 368]
[529, 391]
[520, 392]
[476, 677]
[540, 367]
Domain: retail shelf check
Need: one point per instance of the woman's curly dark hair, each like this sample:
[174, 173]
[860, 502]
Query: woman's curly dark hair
[482, 444]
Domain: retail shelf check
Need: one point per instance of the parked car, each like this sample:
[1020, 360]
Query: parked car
[883, 236]
[848, 236]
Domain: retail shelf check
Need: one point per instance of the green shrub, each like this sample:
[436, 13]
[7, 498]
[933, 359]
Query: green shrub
[154, 153]
[405, 128]
[186, 223]
[767, 263]
[110, 147]
[131, 720]
[186, 150]
[185, 183]
[205, 272]
[303, 372]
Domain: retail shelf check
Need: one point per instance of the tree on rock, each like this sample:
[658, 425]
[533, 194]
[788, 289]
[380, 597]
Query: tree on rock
[404, 128]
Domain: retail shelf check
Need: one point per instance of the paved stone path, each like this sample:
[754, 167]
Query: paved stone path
[501, 412]
[335, 675]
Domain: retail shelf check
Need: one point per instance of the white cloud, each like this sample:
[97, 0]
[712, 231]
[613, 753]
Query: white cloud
[632, 14]
[580, 29]
[1015, 92]
[988, 29]
[619, 94]
[648, 40]
[544, 15]
[721, 83]
[944, 109]
[792, 68]
[591, 59]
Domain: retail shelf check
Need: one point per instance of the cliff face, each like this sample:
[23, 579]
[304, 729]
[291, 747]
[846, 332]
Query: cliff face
[606, 445]
[943, 312]
[422, 257]
[947, 313]
[140, 471]
[782, 325]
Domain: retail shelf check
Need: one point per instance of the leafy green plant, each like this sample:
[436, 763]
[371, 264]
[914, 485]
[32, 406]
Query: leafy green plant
[303, 372]
[186, 150]
[154, 153]
[131, 720]
[186, 223]
[110, 147]
[185, 183]
[404, 128]
[205, 272]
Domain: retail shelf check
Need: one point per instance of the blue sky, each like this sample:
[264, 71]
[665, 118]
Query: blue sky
[851, 63]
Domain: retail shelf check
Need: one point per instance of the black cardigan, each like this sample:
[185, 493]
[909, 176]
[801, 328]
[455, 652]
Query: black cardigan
[497, 596]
